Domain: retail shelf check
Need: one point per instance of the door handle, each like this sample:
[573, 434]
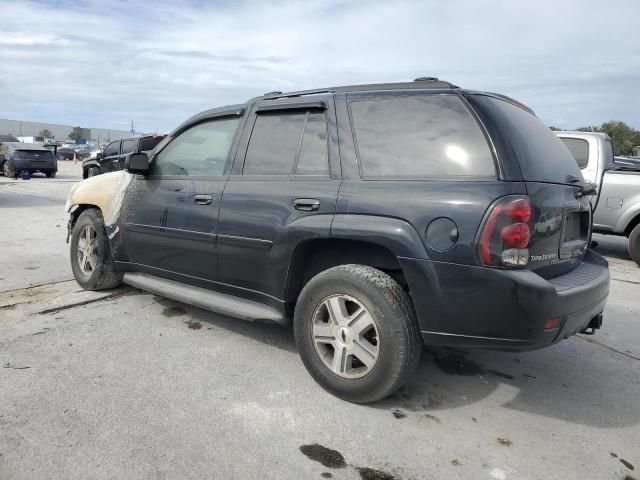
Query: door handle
[306, 204]
[202, 199]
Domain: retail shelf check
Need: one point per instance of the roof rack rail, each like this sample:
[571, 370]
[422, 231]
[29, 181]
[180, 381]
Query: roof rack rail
[417, 84]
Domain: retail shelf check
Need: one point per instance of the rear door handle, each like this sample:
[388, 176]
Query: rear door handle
[202, 199]
[306, 204]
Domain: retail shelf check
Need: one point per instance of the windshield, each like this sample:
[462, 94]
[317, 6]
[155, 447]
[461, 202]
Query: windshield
[541, 154]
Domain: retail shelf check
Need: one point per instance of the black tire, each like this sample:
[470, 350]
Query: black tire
[8, 170]
[51, 174]
[102, 276]
[60, 157]
[634, 244]
[398, 337]
[93, 171]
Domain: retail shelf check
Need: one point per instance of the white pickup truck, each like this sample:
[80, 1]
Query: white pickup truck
[616, 205]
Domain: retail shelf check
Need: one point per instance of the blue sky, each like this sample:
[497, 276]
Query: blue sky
[104, 63]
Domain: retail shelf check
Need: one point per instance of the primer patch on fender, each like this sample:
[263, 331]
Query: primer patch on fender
[105, 191]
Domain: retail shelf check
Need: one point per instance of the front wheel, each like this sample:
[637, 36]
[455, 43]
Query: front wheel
[50, 174]
[91, 260]
[93, 171]
[8, 170]
[356, 333]
[634, 244]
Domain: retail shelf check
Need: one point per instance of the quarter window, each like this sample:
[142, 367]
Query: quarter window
[201, 150]
[419, 136]
[579, 148]
[314, 158]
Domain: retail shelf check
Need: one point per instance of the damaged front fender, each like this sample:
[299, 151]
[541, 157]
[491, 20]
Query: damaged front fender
[105, 192]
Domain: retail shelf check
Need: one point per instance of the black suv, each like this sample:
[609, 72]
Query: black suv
[113, 155]
[376, 218]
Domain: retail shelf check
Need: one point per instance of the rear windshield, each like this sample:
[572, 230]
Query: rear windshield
[149, 143]
[541, 154]
[32, 155]
[419, 136]
[579, 148]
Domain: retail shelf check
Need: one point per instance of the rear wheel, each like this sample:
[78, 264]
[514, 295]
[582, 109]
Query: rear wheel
[634, 244]
[91, 259]
[356, 333]
[50, 174]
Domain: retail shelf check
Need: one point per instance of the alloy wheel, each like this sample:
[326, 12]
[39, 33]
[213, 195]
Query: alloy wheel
[345, 336]
[88, 250]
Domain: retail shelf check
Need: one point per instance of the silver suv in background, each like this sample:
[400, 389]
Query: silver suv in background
[616, 204]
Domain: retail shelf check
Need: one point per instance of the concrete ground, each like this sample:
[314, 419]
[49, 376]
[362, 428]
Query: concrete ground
[123, 384]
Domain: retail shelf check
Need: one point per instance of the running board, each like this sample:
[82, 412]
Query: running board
[209, 300]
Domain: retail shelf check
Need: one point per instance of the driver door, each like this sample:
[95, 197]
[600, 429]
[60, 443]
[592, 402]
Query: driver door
[171, 221]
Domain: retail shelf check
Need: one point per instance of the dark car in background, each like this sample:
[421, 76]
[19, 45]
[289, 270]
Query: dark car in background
[16, 157]
[112, 157]
[65, 153]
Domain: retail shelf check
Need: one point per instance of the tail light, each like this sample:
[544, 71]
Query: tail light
[504, 236]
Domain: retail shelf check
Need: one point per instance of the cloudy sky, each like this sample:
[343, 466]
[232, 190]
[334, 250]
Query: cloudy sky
[103, 63]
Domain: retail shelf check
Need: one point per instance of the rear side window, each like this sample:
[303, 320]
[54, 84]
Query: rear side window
[579, 148]
[541, 155]
[288, 143]
[149, 143]
[419, 136]
[129, 146]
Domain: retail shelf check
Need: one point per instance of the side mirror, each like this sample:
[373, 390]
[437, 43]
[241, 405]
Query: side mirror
[136, 163]
[98, 155]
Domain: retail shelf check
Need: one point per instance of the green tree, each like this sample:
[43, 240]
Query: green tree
[46, 133]
[623, 137]
[76, 133]
[554, 128]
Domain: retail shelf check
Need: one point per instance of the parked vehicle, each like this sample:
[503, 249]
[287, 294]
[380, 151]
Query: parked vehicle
[113, 155]
[65, 153]
[627, 163]
[17, 156]
[616, 205]
[416, 225]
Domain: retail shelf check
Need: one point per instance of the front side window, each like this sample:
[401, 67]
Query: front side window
[112, 149]
[129, 146]
[201, 150]
[288, 143]
[419, 136]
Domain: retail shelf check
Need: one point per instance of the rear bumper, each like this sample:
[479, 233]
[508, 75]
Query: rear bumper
[467, 306]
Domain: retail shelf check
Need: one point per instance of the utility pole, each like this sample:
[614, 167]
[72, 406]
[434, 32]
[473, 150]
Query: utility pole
[133, 130]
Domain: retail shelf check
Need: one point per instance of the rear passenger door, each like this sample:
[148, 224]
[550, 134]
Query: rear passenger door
[282, 191]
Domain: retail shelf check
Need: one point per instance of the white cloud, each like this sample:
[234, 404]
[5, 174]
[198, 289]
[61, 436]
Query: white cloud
[103, 63]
